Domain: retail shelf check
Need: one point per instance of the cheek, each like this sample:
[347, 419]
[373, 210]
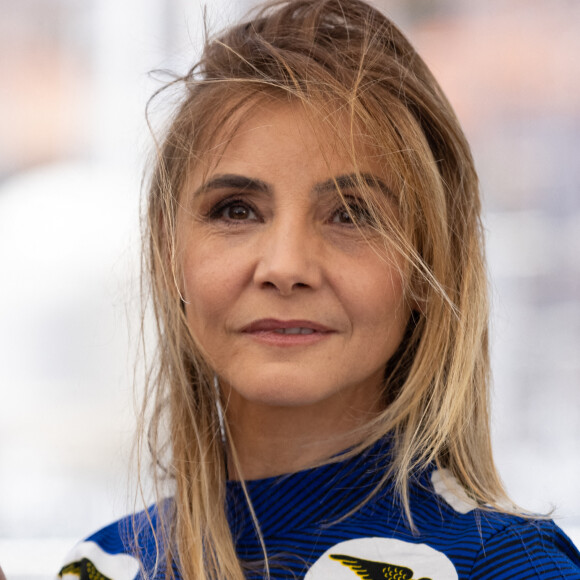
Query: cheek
[210, 282]
[378, 302]
[203, 285]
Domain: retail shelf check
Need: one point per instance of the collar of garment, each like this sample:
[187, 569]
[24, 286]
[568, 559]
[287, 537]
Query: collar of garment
[316, 496]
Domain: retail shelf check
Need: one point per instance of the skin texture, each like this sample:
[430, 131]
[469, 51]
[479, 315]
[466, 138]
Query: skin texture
[264, 242]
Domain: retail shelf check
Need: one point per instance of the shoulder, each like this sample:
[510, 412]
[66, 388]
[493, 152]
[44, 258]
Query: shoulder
[528, 549]
[496, 544]
[110, 553]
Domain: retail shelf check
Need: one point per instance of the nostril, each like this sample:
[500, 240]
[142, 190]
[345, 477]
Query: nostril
[284, 288]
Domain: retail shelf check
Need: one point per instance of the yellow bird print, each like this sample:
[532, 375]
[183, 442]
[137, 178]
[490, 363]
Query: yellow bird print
[84, 569]
[370, 570]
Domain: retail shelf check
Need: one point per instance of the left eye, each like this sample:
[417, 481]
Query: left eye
[355, 209]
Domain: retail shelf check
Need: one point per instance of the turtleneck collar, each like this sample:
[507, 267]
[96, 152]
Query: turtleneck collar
[318, 496]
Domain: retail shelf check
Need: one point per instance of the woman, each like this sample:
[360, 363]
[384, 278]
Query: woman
[320, 400]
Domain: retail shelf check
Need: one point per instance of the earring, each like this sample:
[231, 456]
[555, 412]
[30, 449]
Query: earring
[219, 408]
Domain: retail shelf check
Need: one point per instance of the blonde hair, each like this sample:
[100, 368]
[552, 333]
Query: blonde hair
[334, 57]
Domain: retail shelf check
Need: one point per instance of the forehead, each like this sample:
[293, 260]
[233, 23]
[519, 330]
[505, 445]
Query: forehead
[269, 135]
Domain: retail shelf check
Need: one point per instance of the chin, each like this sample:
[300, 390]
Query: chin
[284, 391]
[282, 396]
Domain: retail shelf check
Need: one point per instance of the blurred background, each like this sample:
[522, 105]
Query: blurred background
[73, 143]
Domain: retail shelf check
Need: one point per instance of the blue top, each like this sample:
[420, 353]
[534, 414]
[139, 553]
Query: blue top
[310, 533]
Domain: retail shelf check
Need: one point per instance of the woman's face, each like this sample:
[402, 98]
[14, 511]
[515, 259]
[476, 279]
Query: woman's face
[289, 301]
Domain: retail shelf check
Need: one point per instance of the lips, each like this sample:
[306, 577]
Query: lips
[276, 332]
[286, 326]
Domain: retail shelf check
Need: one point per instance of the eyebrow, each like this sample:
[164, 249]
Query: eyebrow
[232, 181]
[243, 183]
[352, 181]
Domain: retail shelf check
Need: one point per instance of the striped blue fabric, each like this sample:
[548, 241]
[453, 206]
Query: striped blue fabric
[310, 532]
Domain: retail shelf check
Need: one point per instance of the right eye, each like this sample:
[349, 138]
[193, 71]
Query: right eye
[233, 211]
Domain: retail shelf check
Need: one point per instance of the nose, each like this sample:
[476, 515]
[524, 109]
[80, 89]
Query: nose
[289, 257]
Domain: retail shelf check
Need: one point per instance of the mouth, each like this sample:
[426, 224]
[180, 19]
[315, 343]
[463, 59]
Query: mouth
[287, 332]
[286, 326]
[294, 330]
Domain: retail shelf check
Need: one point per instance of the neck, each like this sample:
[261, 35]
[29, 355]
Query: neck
[276, 440]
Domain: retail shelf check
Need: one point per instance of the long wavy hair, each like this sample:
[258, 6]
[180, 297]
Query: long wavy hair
[335, 58]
